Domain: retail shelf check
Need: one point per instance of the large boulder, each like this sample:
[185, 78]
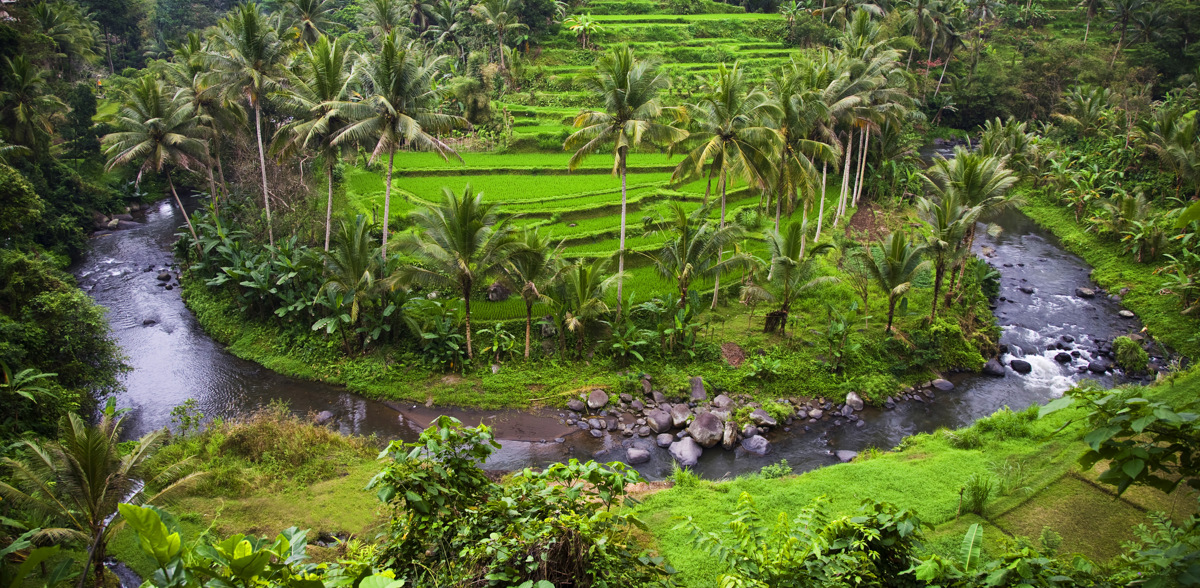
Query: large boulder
[636, 455]
[1062, 357]
[659, 421]
[722, 401]
[854, 401]
[698, 392]
[729, 437]
[1085, 292]
[686, 451]
[658, 397]
[757, 445]
[1020, 366]
[1099, 365]
[597, 399]
[680, 413]
[846, 455]
[943, 385]
[706, 429]
[762, 419]
[994, 368]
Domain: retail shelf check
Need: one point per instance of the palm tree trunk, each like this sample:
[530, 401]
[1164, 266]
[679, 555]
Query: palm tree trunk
[708, 188]
[329, 203]
[262, 166]
[187, 218]
[891, 313]
[621, 251]
[1087, 29]
[387, 201]
[528, 325]
[467, 319]
[221, 172]
[778, 204]
[862, 164]
[821, 200]
[720, 254]
[212, 187]
[939, 274]
[500, 47]
[928, 66]
[943, 76]
[841, 207]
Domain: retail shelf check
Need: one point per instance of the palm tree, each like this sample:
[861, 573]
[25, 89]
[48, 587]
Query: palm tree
[25, 384]
[311, 18]
[323, 83]
[629, 89]
[352, 268]
[399, 110]
[76, 483]
[693, 248]
[894, 268]
[802, 112]
[792, 272]
[461, 242]
[71, 31]
[1091, 8]
[948, 221]
[248, 62]
[448, 22]
[156, 132]
[501, 15]
[1121, 12]
[584, 27]
[419, 12]
[531, 271]
[583, 289]
[731, 137]
[1087, 108]
[383, 17]
[28, 110]
[839, 12]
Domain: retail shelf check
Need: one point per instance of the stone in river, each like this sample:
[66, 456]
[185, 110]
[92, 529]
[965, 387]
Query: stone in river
[845, 455]
[646, 386]
[943, 385]
[576, 405]
[659, 421]
[635, 455]
[1126, 314]
[597, 399]
[597, 433]
[722, 401]
[626, 398]
[658, 397]
[1026, 289]
[756, 445]
[706, 429]
[164, 276]
[686, 451]
[323, 417]
[816, 414]
[643, 431]
[729, 437]
[761, 418]
[1020, 366]
[698, 392]
[1067, 339]
[1085, 293]
[994, 368]
[680, 414]
[664, 440]
[854, 401]
[637, 405]
[1062, 357]
[1099, 366]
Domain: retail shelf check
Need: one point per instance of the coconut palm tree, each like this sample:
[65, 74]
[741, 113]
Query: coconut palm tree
[1091, 8]
[323, 82]
[248, 62]
[382, 17]
[311, 18]
[503, 16]
[28, 110]
[693, 247]
[399, 111]
[77, 482]
[731, 137]
[582, 290]
[629, 89]
[530, 272]
[449, 18]
[1121, 13]
[584, 27]
[839, 12]
[801, 114]
[459, 243]
[894, 268]
[72, 32]
[353, 270]
[156, 132]
[792, 272]
[948, 222]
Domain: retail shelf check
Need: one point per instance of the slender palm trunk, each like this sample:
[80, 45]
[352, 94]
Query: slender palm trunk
[928, 66]
[329, 203]
[221, 172]
[804, 233]
[720, 254]
[708, 187]
[528, 325]
[262, 166]
[778, 204]
[891, 313]
[943, 76]
[939, 274]
[621, 252]
[1087, 29]
[187, 218]
[862, 164]
[821, 200]
[841, 207]
[212, 187]
[500, 47]
[467, 319]
[387, 201]
[1117, 51]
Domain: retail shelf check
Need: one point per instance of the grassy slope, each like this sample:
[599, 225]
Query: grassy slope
[925, 475]
[1114, 270]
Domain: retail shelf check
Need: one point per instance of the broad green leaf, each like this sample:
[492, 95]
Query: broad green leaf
[380, 581]
[971, 546]
[1055, 405]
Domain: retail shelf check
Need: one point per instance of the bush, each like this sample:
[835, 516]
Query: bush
[976, 492]
[1130, 356]
[776, 470]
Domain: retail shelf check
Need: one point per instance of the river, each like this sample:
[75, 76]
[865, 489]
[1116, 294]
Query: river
[174, 360]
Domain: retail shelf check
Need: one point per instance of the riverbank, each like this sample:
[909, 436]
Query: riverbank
[1136, 284]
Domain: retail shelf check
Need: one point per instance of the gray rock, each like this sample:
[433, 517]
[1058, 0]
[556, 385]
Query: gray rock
[722, 401]
[756, 445]
[845, 455]
[698, 392]
[680, 414]
[664, 440]
[635, 455]
[686, 451]
[706, 429]
[597, 399]
[1099, 366]
[597, 433]
[994, 368]
[1127, 314]
[658, 397]
[643, 431]
[1085, 293]
[164, 276]
[816, 414]
[1020, 366]
[854, 401]
[749, 431]
[148, 322]
[802, 413]
[943, 385]
[645, 386]
[637, 405]
[626, 398]
[762, 419]
[323, 417]
[1062, 357]
[659, 421]
[576, 405]
[1067, 339]
[1027, 289]
[597, 423]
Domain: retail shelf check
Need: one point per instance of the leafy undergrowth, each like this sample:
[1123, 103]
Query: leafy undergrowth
[1114, 270]
[1031, 462]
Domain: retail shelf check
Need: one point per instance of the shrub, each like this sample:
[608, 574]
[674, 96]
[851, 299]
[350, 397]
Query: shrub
[1130, 356]
[776, 470]
[976, 492]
